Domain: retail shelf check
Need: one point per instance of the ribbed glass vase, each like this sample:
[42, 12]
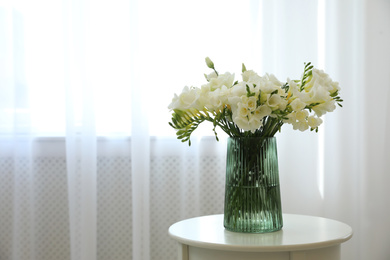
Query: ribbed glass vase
[252, 191]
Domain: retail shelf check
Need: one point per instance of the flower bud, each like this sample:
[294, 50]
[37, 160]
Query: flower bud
[243, 68]
[209, 63]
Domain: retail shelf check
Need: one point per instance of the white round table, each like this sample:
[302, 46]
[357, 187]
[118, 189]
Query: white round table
[301, 238]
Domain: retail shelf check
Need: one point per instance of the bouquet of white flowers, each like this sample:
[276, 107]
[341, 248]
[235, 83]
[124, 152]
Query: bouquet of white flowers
[256, 106]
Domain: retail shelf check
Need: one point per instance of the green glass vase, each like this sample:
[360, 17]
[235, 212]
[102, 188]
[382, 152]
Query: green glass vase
[252, 191]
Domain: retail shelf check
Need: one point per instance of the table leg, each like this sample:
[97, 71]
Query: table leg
[325, 253]
[183, 252]
[297, 255]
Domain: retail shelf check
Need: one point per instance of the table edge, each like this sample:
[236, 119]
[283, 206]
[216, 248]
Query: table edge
[259, 248]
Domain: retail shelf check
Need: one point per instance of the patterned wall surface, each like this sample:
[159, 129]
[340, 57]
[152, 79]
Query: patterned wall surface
[50, 233]
[174, 196]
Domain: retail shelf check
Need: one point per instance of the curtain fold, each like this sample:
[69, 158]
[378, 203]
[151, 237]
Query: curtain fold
[80, 138]
[140, 169]
[375, 135]
[89, 167]
[23, 203]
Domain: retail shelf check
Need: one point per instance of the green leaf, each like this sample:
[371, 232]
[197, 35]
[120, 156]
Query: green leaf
[258, 102]
[307, 72]
[248, 92]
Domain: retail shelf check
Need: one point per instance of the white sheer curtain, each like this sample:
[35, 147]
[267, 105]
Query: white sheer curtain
[89, 168]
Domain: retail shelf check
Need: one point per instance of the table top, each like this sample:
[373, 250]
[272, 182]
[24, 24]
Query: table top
[299, 232]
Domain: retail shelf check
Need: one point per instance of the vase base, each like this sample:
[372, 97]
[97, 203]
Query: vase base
[266, 223]
[253, 231]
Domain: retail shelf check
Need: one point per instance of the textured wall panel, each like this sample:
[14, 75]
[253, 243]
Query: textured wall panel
[178, 190]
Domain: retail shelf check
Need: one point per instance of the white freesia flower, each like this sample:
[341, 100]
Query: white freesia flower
[247, 115]
[296, 93]
[263, 111]
[274, 80]
[319, 77]
[276, 102]
[217, 98]
[242, 111]
[251, 77]
[301, 126]
[297, 105]
[318, 94]
[212, 75]
[334, 86]
[186, 100]
[250, 122]
[298, 120]
[314, 122]
[320, 87]
[301, 115]
[226, 79]
[251, 102]
[241, 122]
[239, 89]
[236, 94]
[255, 106]
[269, 83]
[322, 108]
[293, 86]
[268, 87]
